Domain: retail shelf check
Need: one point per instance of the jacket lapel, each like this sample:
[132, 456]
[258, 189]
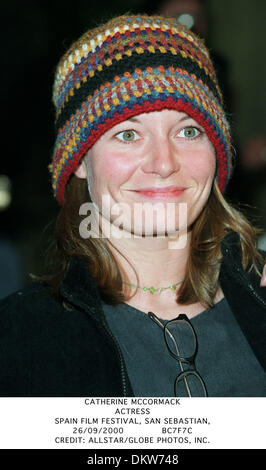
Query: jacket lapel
[246, 298]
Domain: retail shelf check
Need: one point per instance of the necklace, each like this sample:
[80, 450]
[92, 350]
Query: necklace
[152, 289]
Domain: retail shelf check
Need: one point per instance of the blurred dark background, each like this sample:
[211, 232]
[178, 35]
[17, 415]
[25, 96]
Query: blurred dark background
[34, 36]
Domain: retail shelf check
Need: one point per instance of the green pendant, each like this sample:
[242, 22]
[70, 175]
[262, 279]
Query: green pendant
[152, 289]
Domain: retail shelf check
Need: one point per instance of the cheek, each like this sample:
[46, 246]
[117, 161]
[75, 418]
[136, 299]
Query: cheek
[113, 170]
[202, 167]
[108, 171]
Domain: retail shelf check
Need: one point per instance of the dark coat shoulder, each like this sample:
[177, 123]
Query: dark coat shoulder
[49, 350]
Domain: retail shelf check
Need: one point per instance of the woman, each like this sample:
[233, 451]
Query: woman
[157, 290]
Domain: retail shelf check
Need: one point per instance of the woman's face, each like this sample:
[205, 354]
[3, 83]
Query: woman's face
[161, 159]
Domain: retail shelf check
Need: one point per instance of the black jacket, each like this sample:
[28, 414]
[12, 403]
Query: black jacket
[48, 350]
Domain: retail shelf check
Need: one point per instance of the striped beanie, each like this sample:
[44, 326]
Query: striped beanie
[128, 66]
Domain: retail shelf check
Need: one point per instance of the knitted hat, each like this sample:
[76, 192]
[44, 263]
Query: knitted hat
[128, 66]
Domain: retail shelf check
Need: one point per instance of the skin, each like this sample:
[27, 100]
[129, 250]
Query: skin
[158, 149]
[263, 279]
[159, 155]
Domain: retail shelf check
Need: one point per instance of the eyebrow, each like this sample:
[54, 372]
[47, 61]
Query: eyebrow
[133, 119]
[185, 118]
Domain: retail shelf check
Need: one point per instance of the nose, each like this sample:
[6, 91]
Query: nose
[161, 158]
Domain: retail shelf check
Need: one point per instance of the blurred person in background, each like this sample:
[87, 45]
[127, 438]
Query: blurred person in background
[144, 305]
[193, 14]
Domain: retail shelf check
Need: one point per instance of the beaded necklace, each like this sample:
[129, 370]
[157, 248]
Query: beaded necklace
[152, 289]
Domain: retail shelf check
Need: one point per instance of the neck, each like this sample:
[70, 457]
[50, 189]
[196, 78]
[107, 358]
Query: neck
[148, 261]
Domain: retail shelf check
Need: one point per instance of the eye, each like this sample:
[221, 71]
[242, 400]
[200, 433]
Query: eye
[127, 136]
[190, 132]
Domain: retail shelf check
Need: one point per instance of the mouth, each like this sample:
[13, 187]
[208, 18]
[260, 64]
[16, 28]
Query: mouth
[159, 193]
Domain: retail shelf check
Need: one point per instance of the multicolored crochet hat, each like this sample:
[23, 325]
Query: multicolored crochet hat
[128, 66]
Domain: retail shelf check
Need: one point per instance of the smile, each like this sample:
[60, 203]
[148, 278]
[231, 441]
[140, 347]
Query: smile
[159, 193]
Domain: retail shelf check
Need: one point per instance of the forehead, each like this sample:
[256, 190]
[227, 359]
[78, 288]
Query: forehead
[164, 116]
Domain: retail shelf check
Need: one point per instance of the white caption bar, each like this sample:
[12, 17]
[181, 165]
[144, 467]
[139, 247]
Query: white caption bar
[124, 423]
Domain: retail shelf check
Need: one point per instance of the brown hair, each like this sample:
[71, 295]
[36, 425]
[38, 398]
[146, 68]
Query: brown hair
[202, 271]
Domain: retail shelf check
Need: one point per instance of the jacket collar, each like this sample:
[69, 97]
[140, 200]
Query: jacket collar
[232, 266]
[230, 245]
[80, 288]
